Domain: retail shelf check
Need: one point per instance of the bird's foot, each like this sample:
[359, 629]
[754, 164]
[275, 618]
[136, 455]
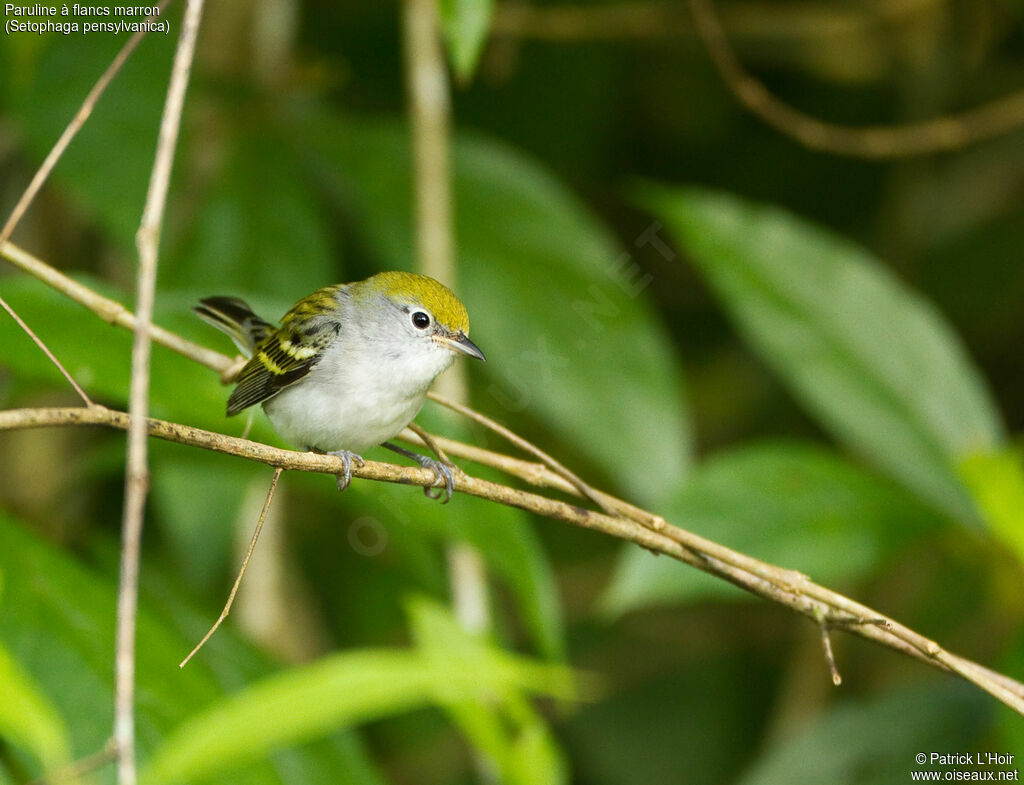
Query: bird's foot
[442, 473]
[444, 476]
[347, 457]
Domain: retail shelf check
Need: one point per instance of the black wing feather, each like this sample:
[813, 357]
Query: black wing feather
[274, 364]
[280, 356]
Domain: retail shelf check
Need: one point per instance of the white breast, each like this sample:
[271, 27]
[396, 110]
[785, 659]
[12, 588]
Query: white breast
[353, 400]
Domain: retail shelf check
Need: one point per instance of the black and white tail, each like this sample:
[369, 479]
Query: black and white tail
[234, 317]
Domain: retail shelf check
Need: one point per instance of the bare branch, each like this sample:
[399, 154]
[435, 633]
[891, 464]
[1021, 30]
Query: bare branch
[658, 19]
[74, 127]
[241, 572]
[45, 350]
[830, 658]
[773, 583]
[826, 645]
[784, 579]
[783, 586]
[516, 440]
[137, 471]
[641, 19]
[807, 598]
[44, 172]
[112, 311]
[75, 770]
[430, 117]
[949, 132]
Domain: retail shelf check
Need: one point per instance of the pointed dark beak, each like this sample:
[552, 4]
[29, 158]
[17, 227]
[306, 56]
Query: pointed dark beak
[461, 343]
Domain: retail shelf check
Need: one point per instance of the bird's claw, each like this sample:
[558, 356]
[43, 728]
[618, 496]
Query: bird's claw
[347, 456]
[444, 476]
[442, 470]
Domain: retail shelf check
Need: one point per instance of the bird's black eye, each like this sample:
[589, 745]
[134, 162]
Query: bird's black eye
[420, 320]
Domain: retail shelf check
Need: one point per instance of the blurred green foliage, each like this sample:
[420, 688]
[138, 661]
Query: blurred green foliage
[811, 359]
[466, 24]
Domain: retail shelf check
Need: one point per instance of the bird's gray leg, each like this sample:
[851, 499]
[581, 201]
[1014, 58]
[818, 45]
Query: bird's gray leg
[347, 456]
[441, 471]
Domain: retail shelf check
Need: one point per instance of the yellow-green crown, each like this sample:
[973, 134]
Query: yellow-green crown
[420, 290]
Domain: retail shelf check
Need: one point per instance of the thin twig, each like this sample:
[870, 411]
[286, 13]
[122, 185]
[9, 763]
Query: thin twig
[787, 580]
[241, 572]
[45, 350]
[949, 132]
[430, 117]
[137, 472]
[803, 596]
[431, 442]
[826, 646]
[43, 173]
[536, 474]
[644, 19]
[830, 658]
[112, 311]
[515, 439]
[74, 127]
[809, 599]
[81, 766]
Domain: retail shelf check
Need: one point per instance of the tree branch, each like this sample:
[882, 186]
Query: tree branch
[783, 586]
[430, 117]
[39, 178]
[772, 583]
[112, 311]
[241, 572]
[137, 470]
[651, 19]
[45, 350]
[641, 19]
[949, 132]
[73, 127]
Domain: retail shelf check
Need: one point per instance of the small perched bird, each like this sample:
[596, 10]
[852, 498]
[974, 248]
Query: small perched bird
[350, 365]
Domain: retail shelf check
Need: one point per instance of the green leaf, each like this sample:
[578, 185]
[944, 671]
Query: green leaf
[338, 757]
[874, 742]
[342, 689]
[27, 717]
[795, 505]
[507, 729]
[58, 621]
[521, 749]
[874, 362]
[1009, 735]
[996, 481]
[555, 303]
[536, 756]
[466, 24]
[256, 229]
[292, 707]
[440, 637]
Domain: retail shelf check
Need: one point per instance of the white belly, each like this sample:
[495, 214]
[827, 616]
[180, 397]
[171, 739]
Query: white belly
[353, 404]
